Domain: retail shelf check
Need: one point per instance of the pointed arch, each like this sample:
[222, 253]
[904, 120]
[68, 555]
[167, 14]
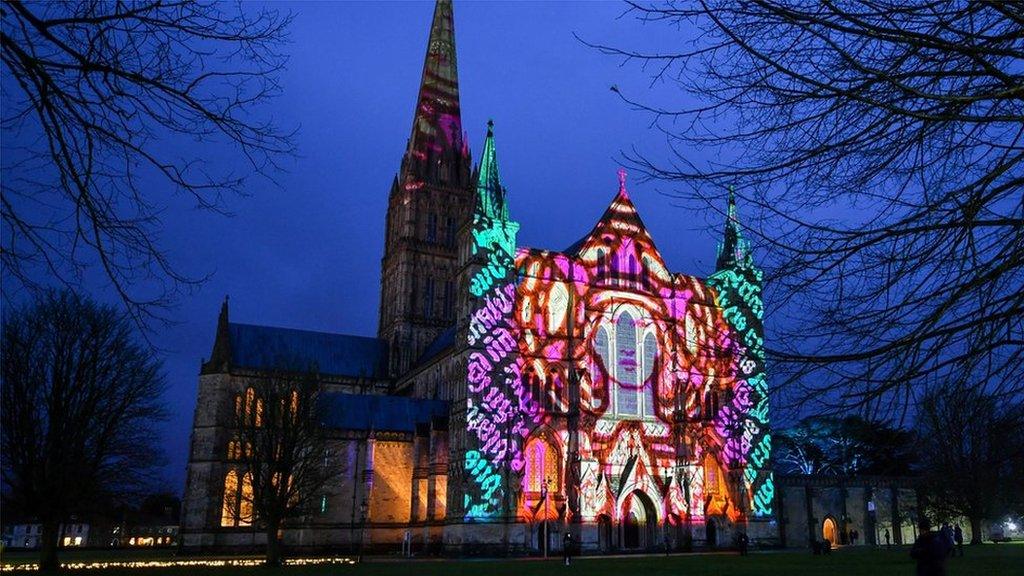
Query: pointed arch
[229, 509]
[626, 369]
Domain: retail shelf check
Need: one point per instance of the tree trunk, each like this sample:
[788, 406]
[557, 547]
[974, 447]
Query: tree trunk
[975, 529]
[48, 561]
[273, 544]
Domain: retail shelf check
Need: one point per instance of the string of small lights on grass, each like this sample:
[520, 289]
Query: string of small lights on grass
[198, 563]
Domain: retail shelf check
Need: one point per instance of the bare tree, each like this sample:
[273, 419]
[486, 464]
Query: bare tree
[876, 149]
[104, 100]
[972, 445]
[801, 449]
[281, 448]
[844, 447]
[80, 399]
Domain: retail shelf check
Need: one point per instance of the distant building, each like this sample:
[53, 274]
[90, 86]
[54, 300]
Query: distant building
[145, 536]
[29, 535]
[831, 508]
[512, 392]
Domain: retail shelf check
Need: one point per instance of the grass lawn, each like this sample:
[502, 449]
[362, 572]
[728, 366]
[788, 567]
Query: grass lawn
[987, 560]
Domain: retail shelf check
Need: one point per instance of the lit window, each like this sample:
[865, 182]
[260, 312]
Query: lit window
[229, 512]
[650, 347]
[541, 464]
[626, 366]
[245, 508]
[253, 407]
[603, 348]
[627, 356]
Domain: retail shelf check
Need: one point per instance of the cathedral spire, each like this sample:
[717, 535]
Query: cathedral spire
[490, 193]
[437, 150]
[734, 250]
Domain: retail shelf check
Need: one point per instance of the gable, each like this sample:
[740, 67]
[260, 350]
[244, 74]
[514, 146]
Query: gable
[620, 243]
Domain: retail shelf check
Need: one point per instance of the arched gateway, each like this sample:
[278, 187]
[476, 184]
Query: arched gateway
[639, 522]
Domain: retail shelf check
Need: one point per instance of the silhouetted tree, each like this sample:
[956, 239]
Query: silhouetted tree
[971, 444]
[80, 401]
[281, 448]
[103, 101]
[877, 150]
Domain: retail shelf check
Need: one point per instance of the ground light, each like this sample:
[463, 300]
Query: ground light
[238, 563]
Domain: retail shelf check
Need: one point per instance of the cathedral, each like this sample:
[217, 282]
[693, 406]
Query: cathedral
[512, 394]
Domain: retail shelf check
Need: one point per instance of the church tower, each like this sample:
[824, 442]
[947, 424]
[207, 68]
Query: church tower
[430, 200]
[738, 284]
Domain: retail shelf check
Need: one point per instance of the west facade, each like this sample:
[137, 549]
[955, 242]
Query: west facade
[512, 392]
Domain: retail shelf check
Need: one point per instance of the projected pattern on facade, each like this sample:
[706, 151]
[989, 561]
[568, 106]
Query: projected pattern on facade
[500, 412]
[745, 421]
[671, 405]
[652, 356]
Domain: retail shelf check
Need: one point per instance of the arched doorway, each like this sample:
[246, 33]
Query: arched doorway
[639, 519]
[540, 532]
[711, 533]
[829, 531]
[604, 533]
[631, 531]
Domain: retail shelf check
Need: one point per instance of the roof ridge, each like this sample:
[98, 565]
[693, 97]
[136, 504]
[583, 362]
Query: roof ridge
[303, 330]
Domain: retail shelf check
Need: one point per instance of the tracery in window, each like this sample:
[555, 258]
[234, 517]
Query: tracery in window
[541, 465]
[228, 516]
[626, 366]
[237, 509]
[626, 353]
[648, 388]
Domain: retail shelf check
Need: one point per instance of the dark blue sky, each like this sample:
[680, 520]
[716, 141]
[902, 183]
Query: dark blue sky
[305, 253]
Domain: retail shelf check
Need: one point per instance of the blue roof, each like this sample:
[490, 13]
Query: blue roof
[266, 347]
[443, 341]
[375, 412]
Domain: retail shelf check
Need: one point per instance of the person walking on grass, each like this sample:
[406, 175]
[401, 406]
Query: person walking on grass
[930, 550]
[888, 544]
[567, 548]
[947, 535]
[958, 537]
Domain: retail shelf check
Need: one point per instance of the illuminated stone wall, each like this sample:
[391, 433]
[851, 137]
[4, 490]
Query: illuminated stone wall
[391, 495]
[744, 421]
[870, 505]
[647, 359]
[605, 389]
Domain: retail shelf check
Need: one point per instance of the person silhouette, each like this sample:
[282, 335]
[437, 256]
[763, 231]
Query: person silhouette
[930, 550]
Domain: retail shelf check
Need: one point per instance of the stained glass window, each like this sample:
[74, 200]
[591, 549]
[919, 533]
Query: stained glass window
[541, 463]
